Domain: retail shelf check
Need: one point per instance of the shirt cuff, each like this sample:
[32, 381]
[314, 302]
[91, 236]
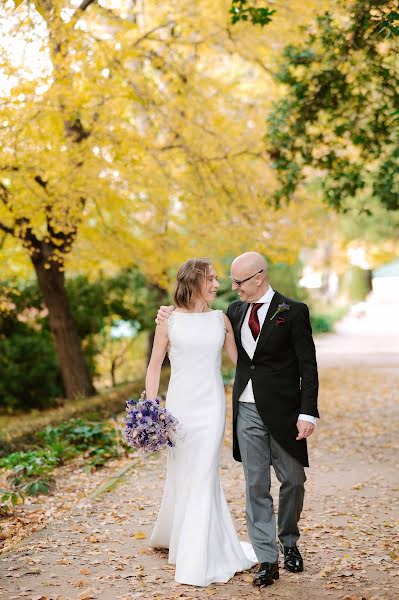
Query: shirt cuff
[307, 418]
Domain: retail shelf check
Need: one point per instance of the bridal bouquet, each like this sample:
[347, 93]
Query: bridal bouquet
[148, 426]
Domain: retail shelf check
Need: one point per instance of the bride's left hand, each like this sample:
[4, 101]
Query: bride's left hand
[164, 313]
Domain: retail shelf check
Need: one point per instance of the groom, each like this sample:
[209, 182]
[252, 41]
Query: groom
[274, 409]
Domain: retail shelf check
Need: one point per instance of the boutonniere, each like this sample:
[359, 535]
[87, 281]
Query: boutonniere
[281, 308]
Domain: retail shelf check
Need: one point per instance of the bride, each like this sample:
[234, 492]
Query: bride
[194, 522]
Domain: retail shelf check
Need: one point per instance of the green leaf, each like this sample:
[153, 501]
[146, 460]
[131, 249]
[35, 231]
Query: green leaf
[241, 11]
[35, 488]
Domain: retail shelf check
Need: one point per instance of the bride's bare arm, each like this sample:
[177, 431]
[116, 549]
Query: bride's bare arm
[229, 341]
[157, 356]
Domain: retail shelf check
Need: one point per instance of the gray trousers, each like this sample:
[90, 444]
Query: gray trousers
[258, 452]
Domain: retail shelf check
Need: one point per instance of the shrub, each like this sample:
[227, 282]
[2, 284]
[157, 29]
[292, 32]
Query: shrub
[30, 469]
[321, 323]
[29, 371]
[284, 278]
[8, 501]
[97, 440]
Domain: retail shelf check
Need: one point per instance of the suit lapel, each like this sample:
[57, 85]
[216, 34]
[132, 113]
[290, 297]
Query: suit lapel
[243, 311]
[267, 327]
[240, 319]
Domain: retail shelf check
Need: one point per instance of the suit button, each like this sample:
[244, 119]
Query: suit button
[252, 367]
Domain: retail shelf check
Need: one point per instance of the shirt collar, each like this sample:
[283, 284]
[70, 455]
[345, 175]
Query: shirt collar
[267, 298]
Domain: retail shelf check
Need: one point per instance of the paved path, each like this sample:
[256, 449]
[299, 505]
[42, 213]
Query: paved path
[368, 335]
[350, 542]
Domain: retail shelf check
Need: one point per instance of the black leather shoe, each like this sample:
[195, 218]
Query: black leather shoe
[293, 560]
[266, 574]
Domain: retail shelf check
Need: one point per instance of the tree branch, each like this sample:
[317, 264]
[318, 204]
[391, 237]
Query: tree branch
[85, 4]
[4, 195]
[4, 199]
[6, 229]
[21, 228]
[148, 34]
[77, 14]
[107, 12]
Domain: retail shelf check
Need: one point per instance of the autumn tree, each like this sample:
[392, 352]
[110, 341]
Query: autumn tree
[339, 117]
[133, 136]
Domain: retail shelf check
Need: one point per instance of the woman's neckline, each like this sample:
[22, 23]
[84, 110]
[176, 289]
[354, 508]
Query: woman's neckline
[187, 312]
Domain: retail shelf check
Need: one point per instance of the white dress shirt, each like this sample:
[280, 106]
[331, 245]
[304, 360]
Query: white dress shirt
[249, 345]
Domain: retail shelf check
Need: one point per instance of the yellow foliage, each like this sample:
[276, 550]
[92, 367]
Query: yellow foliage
[137, 139]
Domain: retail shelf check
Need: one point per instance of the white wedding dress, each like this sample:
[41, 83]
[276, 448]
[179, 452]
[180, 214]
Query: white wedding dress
[194, 521]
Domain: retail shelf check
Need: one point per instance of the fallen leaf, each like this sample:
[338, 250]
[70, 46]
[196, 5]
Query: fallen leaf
[87, 594]
[36, 571]
[80, 583]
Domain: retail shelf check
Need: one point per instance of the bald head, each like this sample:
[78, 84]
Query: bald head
[249, 273]
[251, 261]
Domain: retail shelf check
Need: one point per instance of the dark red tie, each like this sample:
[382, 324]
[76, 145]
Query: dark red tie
[253, 321]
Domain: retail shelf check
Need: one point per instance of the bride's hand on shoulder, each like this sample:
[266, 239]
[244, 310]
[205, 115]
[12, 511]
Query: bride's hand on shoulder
[229, 341]
[164, 313]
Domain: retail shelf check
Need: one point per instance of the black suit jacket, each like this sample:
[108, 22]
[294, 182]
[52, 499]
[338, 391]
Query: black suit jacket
[283, 372]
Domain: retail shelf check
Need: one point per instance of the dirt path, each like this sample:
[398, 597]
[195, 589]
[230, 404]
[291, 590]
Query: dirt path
[350, 542]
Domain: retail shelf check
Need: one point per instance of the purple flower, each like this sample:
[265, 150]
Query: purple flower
[281, 308]
[148, 426]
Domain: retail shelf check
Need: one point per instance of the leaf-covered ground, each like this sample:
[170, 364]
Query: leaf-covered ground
[96, 547]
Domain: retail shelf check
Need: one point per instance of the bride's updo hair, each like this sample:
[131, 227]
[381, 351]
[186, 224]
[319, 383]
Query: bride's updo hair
[189, 280]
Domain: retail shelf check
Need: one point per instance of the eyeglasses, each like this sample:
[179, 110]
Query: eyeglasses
[239, 283]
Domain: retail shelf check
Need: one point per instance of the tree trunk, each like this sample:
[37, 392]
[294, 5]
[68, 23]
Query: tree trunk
[75, 374]
[113, 372]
